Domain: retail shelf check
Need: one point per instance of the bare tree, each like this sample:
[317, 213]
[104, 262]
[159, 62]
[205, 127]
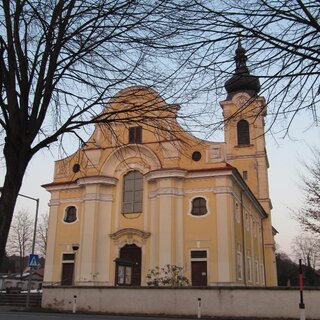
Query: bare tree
[42, 232]
[20, 237]
[307, 248]
[61, 60]
[309, 214]
[281, 38]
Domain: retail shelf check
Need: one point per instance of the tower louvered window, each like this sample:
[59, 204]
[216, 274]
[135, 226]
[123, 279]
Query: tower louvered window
[243, 133]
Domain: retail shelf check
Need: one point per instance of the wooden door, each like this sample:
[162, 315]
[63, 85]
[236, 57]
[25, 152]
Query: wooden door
[132, 254]
[199, 273]
[67, 274]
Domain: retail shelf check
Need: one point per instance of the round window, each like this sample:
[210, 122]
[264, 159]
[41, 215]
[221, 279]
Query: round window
[196, 156]
[76, 168]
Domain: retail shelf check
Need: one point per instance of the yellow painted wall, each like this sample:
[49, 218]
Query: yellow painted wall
[172, 180]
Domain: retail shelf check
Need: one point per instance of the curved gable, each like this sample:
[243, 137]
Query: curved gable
[137, 157]
[136, 98]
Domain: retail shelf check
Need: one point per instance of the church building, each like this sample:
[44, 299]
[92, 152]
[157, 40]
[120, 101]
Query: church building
[144, 193]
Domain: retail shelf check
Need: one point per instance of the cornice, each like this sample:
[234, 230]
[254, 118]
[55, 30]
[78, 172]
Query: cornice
[86, 197]
[216, 190]
[98, 197]
[166, 192]
[209, 173]
[54, 203]
[97, 180]
[59, 186]
[169, 173]
[181, 192]
[259, 154]
[129, 232]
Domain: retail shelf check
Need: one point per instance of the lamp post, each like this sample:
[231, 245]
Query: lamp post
[33, 241]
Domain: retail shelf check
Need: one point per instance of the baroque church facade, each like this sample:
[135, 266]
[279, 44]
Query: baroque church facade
[140, 195]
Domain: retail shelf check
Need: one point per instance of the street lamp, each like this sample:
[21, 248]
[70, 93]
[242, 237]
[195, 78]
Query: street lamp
[33, 240]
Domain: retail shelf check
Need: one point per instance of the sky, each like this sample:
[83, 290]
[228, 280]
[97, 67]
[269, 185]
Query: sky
[285, 157]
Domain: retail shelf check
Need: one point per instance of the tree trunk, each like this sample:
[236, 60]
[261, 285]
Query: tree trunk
[17, 160]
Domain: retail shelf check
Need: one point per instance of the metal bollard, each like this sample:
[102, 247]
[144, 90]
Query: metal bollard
[74, 305]
[199, 308]
[302, 314]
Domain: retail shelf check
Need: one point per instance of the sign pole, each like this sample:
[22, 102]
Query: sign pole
[301, 304]
[33, 246]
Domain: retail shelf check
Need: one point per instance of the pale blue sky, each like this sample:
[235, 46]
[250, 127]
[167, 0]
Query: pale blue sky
[285, 166]
[286, 158]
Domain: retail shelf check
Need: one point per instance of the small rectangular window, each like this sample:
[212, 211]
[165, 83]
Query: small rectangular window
[245, 175]
[135, 135]
[68, 257]
[198, 254]
[124, 275]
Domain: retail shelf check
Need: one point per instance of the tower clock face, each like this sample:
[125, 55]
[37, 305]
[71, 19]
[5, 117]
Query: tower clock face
[242, 100]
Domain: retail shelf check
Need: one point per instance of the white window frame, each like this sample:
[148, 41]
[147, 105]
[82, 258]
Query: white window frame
[65, 214]
[249, 267]
[190, 207]
[256, 266]
[237, 212]
[123, 211]
[239, 263]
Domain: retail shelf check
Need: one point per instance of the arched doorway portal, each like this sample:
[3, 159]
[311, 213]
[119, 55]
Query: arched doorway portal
[128, 266]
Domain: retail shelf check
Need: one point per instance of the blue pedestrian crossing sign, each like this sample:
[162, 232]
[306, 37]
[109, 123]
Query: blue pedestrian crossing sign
[33, 260]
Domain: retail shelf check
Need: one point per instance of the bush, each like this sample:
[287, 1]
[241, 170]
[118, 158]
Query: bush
[169, 275]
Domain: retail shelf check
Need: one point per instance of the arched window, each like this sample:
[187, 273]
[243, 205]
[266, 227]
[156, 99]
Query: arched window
[71, 214]
[243, 132]
[199, 206]
[132, 192]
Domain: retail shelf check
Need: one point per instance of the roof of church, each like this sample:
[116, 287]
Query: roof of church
[242, 80]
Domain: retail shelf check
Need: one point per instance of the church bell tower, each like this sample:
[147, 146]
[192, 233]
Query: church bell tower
[244, 112]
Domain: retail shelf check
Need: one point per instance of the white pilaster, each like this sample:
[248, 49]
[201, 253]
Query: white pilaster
[87, 238]
[51, 239]
[154, 232]
[223, 238]
[179, 231]
[103, 241]
[165, 233]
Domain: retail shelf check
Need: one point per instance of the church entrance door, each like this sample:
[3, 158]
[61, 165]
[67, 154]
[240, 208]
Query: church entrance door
[199, 273]
[67, 274]
[131, 254]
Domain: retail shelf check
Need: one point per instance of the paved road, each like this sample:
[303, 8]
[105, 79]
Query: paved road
[14, 313]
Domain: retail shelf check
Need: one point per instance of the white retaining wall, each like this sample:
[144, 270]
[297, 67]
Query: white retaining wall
[215, 301]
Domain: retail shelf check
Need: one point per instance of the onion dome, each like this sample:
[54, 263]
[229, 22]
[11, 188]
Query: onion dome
[242, 80]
